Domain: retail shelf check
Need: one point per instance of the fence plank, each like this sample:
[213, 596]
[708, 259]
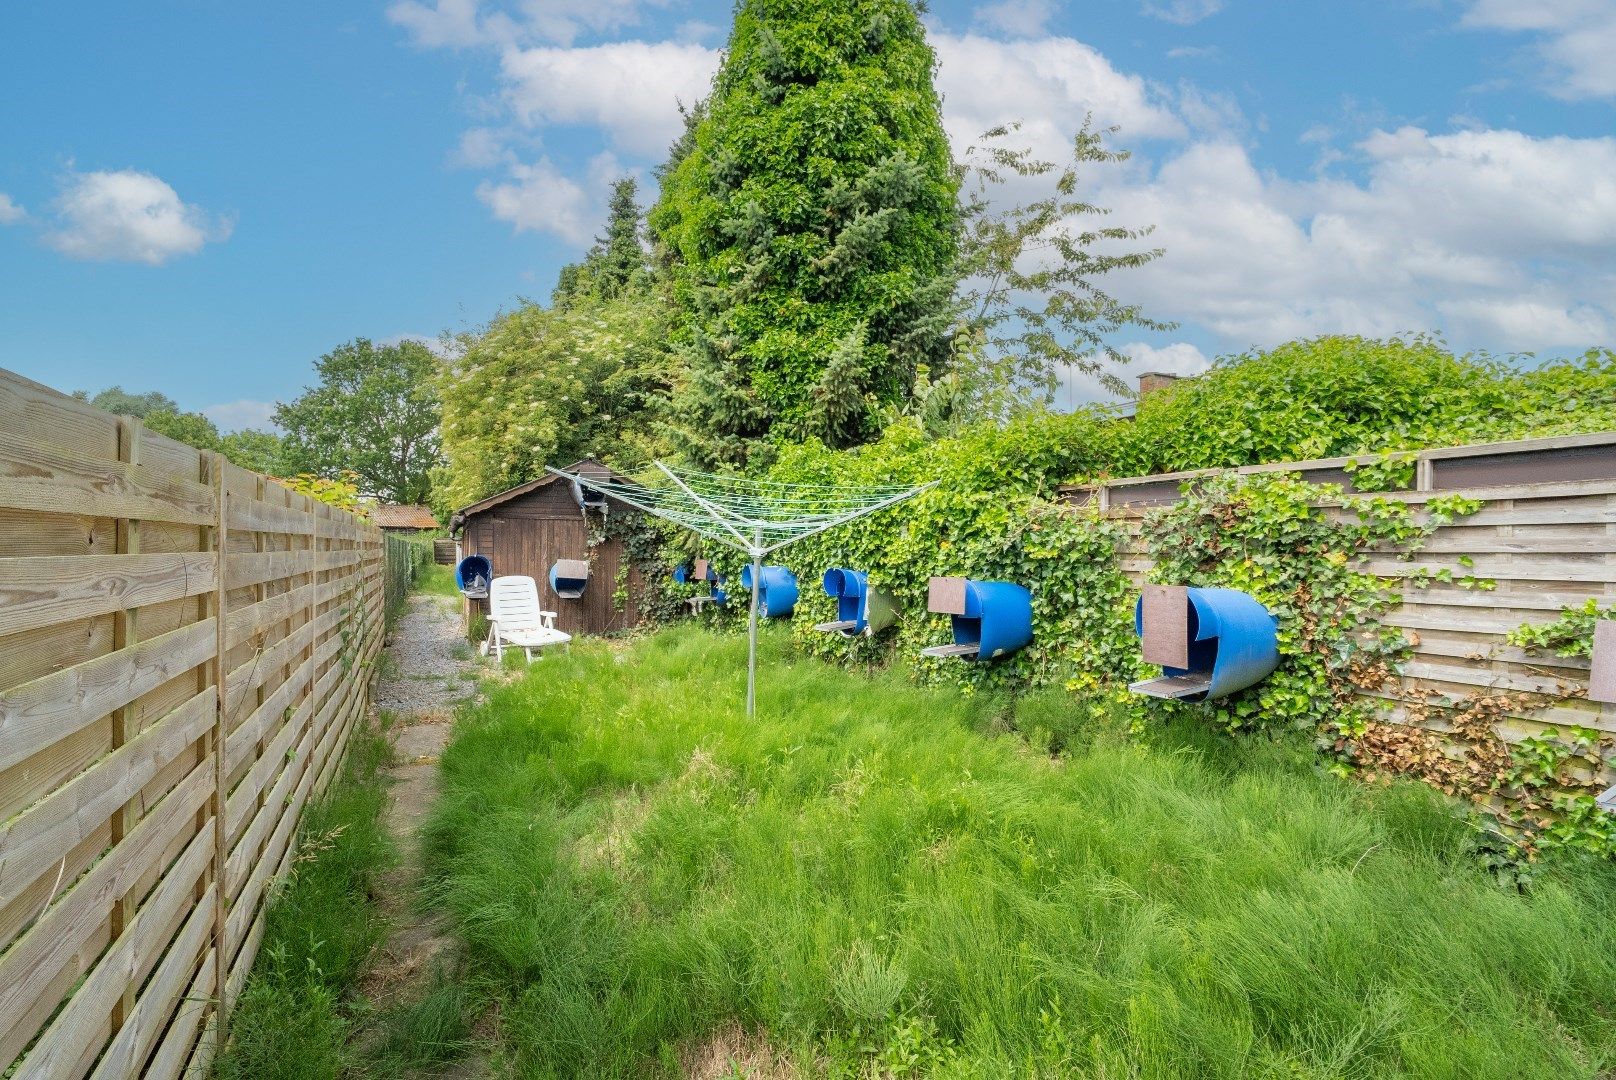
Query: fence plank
[32, 842]
[35, 715]
[37, 592]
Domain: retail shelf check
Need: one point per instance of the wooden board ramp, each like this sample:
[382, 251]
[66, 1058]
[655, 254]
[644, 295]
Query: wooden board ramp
[185, 648]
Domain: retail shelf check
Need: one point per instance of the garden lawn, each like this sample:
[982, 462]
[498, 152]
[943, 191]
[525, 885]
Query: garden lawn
[866, 880]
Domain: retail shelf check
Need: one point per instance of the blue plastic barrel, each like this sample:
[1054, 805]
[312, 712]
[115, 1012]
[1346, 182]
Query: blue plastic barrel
[850, 589]
[1234, 642]
[469, 571]
[683, 574]
[997, 619]
[777, 590]
[569, 578]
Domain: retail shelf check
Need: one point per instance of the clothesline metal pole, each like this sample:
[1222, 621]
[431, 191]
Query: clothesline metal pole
[752, 624]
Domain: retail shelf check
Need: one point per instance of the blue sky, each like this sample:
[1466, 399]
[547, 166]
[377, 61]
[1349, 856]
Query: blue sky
[203, 197]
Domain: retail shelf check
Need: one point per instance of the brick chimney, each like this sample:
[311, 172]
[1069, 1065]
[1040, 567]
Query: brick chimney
[1155, 380]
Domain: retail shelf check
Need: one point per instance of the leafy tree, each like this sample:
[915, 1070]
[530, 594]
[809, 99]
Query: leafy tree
[547, 386]
[809, 222]
[1032, 306]
[252, 449]
[190, 428]
[115, 399]
[374, 414]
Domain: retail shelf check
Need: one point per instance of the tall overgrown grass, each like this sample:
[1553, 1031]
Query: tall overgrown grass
[296, 1014]
[875, 882]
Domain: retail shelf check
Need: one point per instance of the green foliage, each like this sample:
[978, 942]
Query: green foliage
[808, 221]
[193, 429]
[259, 451]
[1032, 305]
[1572, 634]
[374, 414]
[296, 1015]
[1339, 396]
[1266, 535]
[865, 883]
[549, 386]
[341, 491]
[250, 449]
[117, 400]
[616, 264]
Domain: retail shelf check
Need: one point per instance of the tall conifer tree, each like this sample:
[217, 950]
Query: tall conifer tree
[809, 220]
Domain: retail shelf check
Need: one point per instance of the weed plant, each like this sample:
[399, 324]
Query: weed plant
[880, 880]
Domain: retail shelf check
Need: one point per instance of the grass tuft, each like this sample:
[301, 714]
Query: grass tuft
[294, 1016]
[868, 880]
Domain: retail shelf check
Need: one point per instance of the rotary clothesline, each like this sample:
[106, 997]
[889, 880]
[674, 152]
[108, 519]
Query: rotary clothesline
[752, 516]
[755, 517]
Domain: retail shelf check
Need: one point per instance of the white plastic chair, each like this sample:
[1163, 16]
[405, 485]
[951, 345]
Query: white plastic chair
[515, 618]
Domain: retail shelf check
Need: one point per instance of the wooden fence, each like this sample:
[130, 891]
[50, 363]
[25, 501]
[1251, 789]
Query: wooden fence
[1544, 539]
[185, 647]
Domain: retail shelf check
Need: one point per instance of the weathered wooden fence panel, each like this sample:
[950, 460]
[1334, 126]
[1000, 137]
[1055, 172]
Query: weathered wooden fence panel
[1540, 545]
[185, 648]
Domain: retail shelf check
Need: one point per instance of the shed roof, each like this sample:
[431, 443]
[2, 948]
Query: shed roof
[586, 467]
[403, 516]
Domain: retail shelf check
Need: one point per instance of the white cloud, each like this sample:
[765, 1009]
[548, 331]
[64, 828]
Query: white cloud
[541, 198]
[630, 89]
[1075, 387]
[463, 24]
[1050, 84]
[1500, 238]
[480, 148]
[1182, 12]
[1191, 52]
[1578, 40]
[10, 212]
[129, 216]
[1018, 18]
[1178, 358]
[237, 415]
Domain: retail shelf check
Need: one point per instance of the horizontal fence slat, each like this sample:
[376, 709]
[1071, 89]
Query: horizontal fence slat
[35, 960]
[31, 842]
[134, 952]
[41, 591]
[248, 515]
[44, 480]
[38, 714]
[143, 1026]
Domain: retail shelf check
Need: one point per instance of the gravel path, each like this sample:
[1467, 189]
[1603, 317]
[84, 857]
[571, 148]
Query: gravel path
[430, 667]
[429, 670]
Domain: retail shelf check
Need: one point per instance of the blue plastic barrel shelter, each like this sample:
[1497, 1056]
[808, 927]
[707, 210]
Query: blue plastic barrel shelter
[702, 570]
[859, 608]
[588, 498]
[472, 576]
[990, 619]
[777, 590]
[1210, 643]
[569, 578]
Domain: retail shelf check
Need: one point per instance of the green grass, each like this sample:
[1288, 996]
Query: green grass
[435, 580]
[874, 882]
[296, 1013]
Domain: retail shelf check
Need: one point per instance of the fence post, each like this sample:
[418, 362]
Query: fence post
[221, 532]
[125, 723]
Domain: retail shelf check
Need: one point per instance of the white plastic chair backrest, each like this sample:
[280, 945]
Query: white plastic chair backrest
[513, 602]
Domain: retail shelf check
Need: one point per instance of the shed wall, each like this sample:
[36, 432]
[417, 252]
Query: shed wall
[527, 534]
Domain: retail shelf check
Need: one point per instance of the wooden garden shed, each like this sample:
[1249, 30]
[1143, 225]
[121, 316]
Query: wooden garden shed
[531, 527]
